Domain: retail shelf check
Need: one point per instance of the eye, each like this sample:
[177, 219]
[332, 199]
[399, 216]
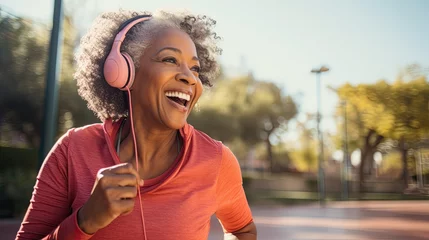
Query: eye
[170, 60]
[196, 69]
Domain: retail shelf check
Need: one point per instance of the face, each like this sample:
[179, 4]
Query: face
[167, 84]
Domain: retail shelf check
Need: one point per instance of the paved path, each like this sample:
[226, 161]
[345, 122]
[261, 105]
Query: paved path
[342, 220]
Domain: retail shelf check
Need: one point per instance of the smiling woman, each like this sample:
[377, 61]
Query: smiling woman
[144, 172]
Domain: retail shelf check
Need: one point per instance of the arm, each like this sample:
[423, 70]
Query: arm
[49, 214]
[233, 210]
[246, 233]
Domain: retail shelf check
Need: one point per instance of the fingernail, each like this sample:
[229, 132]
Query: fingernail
[141, 182]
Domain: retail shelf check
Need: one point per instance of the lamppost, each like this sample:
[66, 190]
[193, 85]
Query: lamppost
[321, 178]
[51, 89]
[345, 169]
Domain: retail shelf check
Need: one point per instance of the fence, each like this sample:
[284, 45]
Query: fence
[422, 170]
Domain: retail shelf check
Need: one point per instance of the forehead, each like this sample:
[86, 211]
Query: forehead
[174, 38]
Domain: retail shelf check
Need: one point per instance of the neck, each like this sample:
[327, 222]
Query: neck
[157, 148]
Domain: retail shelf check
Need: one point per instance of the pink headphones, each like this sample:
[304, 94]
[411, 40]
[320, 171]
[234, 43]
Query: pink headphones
[119, 67]
[119, 73]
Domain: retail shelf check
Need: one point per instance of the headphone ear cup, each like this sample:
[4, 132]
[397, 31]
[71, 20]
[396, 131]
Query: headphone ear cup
[118, 67]
[116, 70]
[131, 71]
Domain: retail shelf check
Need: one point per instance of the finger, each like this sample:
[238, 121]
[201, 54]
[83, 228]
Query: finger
[125, 168]
[121, 180]
[125, 206]
[118, 193]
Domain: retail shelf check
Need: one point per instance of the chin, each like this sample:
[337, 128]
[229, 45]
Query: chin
[178, 124]
[174, 119]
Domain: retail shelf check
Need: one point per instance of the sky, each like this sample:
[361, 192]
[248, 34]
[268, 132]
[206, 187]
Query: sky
[281, 41]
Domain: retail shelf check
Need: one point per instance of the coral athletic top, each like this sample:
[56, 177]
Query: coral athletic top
[204, 180]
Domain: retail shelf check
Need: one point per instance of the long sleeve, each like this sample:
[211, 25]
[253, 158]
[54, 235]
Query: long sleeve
[233, 210]
[49, 215]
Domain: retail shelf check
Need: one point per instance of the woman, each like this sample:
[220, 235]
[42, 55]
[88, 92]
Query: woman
[144, 173]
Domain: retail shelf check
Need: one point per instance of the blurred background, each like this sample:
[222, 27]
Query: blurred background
[321, 101]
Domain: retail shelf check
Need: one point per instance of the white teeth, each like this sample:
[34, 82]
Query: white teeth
[181, 95]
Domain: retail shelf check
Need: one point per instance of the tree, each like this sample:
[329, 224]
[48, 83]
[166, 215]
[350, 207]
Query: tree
[72, 108]
[361, 123]
[305, 155]
[253, 111]
[379, 111]
[409, 103]
[270, 111]
[22, 68]
[23, 57]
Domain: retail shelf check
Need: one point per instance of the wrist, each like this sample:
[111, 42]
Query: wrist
[84, 223]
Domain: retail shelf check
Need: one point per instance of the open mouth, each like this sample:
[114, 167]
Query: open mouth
[178, 97]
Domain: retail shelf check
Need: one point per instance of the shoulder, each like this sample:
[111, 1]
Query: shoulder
[81, 137]
[209, 144]
[87, 131]
[205, 147]
[74, 134]
[60, 154]
[85, 134]
[206, 139]
[202, 140]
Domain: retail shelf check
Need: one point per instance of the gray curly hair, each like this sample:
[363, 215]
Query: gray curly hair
[109, 102]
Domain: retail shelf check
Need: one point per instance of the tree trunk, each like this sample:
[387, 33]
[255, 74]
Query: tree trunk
[404, 152]
[361, 167]
[270, 154]
[369, 147]
[369, 162]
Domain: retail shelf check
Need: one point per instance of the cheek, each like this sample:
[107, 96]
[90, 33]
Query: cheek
[145, 87]
[154, 79]
[198, 90]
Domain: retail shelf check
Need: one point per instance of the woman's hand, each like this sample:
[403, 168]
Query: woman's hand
[112, 196]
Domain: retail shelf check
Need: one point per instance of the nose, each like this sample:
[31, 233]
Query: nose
[186, 76]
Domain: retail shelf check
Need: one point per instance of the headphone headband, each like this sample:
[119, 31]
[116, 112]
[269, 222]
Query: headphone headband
[127, 25]
[119, 67]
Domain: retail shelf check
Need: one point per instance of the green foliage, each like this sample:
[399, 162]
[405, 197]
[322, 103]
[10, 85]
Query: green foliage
[397, 111]
[18, 157]
[391, 162]
[22, 70]
[215, 123]
[18, 169]
[244, 109]
[239, 148]
[282, 158]
[356, 129]
[23, 59]
[17, 184]
[392, 110]
[304, 157]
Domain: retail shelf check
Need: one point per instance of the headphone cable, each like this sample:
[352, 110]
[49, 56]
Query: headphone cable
[137, 162]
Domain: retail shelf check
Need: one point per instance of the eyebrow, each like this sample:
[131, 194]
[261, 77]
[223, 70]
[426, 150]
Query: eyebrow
[175, 50]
